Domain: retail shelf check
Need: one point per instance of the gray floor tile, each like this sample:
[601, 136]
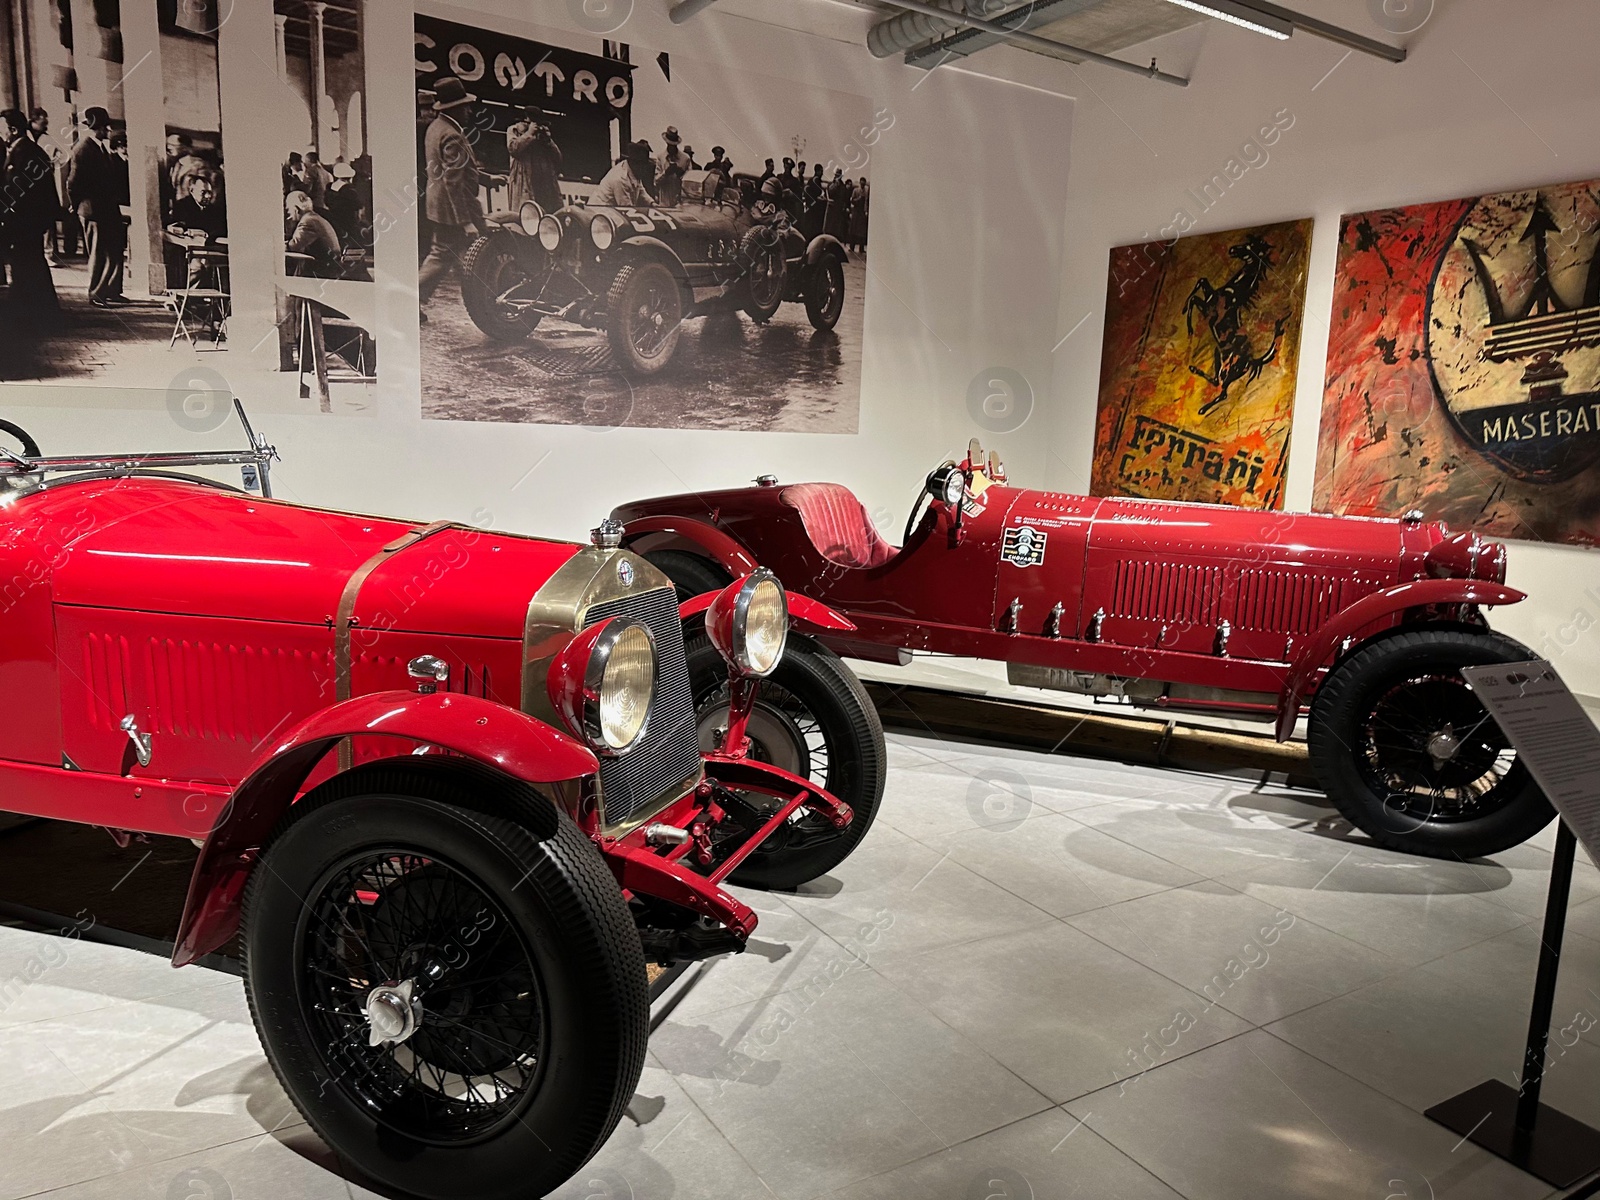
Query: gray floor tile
[1410, 908]
[1052, 1156]
[43, 976]
[291, 1163]
[1259, 962]
[1059, 865]
[920, 897]
[1223, 833]
[842, 1079]
[1063, 1011]
[1438, 1029]
[179, 1080]
[1257, 1118]
[676, 1152]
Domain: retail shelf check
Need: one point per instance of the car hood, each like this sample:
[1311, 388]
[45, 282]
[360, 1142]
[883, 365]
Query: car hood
[159, 545]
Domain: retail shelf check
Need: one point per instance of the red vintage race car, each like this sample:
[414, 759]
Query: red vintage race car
[448, 784]
[1361, 623]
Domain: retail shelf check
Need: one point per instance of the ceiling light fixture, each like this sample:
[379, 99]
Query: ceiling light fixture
[1240, 15]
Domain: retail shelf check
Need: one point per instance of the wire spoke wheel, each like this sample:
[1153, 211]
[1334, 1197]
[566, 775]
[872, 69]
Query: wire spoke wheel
[1434, 749]
[467, 1055]
[1408, 753]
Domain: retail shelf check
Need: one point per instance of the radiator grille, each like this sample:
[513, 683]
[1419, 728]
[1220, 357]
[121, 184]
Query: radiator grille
[670, 751]
[1285, 602]
[1160, 591]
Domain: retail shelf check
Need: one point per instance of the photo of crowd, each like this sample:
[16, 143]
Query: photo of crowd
[570, 135]
[327, 179]
[113, 219]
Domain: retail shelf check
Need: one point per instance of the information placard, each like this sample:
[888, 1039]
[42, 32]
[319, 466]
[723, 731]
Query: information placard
[1552, 735]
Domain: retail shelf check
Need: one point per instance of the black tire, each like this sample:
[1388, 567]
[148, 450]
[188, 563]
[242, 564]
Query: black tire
[644, 317]
[490, 267]
[1378, 725]
[825, 293]
[767, 278]
[563, 985]
[813, 717]
[691, 575]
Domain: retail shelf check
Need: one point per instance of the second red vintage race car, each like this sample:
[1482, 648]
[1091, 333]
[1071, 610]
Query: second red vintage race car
[448, 785]
[1360, 624]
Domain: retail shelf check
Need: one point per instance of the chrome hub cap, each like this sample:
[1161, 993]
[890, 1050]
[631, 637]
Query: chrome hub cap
[393, 1014]
[1443, 746]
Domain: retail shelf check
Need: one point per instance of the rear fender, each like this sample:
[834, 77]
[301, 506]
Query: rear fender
[1419, 593]
[500, 738]
[804, 612]
[686, 533]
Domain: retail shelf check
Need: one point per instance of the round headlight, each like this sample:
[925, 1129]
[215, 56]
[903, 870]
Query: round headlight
[602, 232]
[529, 217]
[947, 483]
[549, 233]
[603, 684]
[627, 685]
[748, 623]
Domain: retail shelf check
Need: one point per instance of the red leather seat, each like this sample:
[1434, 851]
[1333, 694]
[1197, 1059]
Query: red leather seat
[838, 525]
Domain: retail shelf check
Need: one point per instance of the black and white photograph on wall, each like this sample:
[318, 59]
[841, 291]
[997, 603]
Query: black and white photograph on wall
[610, 236]
[327, 169]
[114, 219]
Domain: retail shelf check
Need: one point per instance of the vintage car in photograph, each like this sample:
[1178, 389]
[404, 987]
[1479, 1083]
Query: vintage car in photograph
[447, 782]
[639, 273]
[1361, 624]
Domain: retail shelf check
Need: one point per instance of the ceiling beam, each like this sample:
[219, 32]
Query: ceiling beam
[1276, 14]
[1027, 16]
[1030, 41]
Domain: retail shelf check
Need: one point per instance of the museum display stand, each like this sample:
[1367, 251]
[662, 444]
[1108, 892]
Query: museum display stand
[1514, 1123]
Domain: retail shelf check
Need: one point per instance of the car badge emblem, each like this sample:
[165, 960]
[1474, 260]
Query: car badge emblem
[1516, 352]
[625, 573]
[1023, 546]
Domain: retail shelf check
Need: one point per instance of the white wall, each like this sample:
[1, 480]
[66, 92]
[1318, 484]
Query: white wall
[1494, 96]
[965, 268]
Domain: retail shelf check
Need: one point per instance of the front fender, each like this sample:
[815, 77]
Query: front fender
[803, 611]
[664, 531]
[642, 246]
[1419, 593]
[824, 243]
[501, 738]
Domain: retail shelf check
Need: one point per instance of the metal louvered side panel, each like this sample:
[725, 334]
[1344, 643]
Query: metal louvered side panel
[105, 669]
[1286, 602]
[228, 692]
[670, 751]
[1163, 591]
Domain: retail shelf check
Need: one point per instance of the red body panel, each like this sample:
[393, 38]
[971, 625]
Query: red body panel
[1198, 595]
[211, 619]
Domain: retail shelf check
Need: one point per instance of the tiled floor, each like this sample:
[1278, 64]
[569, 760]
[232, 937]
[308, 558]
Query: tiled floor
[1038, 979]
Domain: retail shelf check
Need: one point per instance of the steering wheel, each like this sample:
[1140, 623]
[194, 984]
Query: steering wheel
[30, 448]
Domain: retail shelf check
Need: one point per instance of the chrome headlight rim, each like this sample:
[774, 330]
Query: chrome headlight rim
[620, 636]
[550, 233]
[602, 232]
[529, 217]
[728, 623]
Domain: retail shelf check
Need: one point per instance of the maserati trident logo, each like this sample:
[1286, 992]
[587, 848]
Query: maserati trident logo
[1514, 330]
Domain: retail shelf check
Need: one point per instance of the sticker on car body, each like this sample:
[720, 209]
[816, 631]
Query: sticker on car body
[1023, 546]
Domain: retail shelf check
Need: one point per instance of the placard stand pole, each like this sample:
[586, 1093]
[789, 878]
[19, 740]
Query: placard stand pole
[1514, 1125]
